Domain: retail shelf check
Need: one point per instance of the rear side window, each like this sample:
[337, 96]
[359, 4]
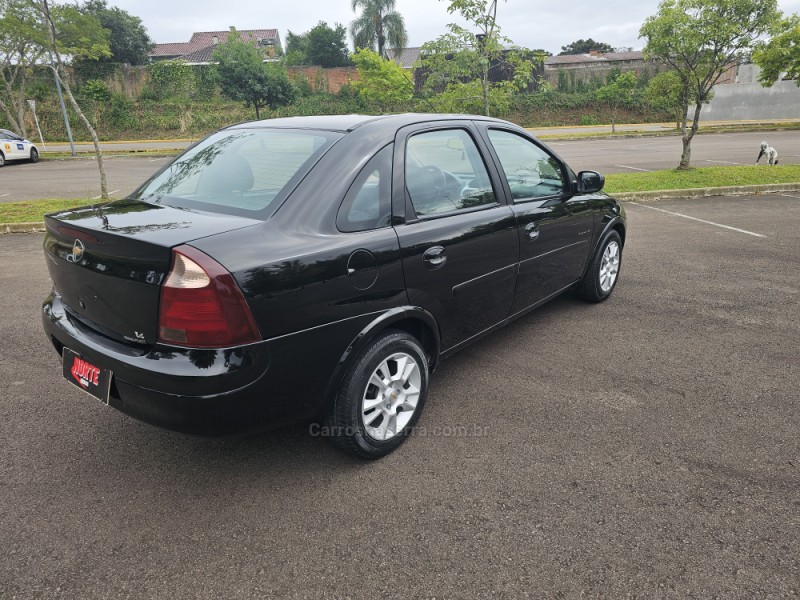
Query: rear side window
[240, 171]
[368, 203]
[445, 173]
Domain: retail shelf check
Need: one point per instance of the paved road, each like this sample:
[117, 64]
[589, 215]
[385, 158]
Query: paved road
[644, 447]
[653, 153]
[79, 178]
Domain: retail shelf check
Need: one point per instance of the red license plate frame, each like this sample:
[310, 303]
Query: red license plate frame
[86, 376]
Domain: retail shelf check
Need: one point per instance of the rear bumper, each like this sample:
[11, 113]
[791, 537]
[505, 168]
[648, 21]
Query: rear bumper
[201, 392]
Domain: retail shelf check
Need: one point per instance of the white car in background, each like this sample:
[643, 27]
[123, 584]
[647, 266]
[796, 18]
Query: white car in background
[13, 147]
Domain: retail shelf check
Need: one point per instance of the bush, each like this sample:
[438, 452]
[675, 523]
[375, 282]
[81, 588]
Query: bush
[96, 90]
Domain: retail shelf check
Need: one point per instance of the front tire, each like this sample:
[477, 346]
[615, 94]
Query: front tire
[601, 277]
[381, 397]
[34, 155]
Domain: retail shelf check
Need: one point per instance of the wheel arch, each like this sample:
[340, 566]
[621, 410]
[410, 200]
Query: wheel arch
[413, 320]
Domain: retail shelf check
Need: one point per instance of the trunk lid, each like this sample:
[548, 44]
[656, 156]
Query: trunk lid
[108, 262]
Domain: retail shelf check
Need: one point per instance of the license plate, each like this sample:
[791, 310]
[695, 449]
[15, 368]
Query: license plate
[90, 378]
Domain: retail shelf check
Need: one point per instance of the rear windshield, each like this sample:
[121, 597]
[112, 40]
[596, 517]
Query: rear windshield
[244, 172]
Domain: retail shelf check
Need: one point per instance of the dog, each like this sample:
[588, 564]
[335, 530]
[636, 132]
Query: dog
[769, 152]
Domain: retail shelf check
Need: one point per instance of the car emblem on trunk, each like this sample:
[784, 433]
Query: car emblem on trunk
[77, 252]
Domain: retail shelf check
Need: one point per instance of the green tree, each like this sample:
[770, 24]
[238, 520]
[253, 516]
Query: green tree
[382, 81]
[701, 40]
[584, 47]
[457, 64]
[129, 42]
[80, 36]
[23, 41]
[244, 76]
[781, 54]
[321, 45]
[379, 27]
[664, 92]
[619, 92]
[297, 49]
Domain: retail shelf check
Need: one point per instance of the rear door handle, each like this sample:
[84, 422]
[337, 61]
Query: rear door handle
[532, 231]
[434, 258]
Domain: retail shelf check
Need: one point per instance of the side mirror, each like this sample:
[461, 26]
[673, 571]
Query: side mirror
[590, 182]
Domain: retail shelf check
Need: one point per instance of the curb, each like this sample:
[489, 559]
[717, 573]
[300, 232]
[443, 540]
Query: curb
[734, 190]
[21, 227]
[737, 190]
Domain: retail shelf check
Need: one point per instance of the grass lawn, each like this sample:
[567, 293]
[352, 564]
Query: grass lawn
[705, 177]
[31, 211]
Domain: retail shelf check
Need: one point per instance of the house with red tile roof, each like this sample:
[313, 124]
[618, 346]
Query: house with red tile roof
[199, 48]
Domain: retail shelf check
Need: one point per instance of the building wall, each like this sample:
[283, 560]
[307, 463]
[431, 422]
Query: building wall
[751, 101]
[325, 80]
[596, 74]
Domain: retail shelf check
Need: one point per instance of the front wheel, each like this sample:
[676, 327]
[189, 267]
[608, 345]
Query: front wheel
[601, 276]
[34, 155]
[381, 397]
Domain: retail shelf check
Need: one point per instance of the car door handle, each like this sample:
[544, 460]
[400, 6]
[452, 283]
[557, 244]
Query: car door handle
[434, 258]
[532, 231]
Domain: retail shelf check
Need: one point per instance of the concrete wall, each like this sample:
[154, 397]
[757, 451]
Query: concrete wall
[750, 101]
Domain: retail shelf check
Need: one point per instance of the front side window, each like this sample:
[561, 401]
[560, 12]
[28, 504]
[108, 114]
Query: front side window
[445, 173]
[530, 171]
[238, 171]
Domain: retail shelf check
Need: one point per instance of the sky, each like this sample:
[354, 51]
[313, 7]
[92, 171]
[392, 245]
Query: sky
[528, 23]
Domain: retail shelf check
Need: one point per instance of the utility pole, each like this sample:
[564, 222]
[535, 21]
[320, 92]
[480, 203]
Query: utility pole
[63, 108]
[32, 104]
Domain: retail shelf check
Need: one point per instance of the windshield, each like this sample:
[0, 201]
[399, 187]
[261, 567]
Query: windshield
[244, 172]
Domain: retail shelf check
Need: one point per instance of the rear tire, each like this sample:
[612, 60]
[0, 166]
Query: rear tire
[601, 277]
[381, 397]
[34, 155]
[2, 159]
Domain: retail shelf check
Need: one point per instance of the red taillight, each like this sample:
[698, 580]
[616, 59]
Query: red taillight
[201, 305]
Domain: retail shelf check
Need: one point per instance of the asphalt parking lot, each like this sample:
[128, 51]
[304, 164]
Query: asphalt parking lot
[644, 447]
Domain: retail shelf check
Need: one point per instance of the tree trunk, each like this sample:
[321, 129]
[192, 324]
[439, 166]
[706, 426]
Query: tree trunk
[688, 134]
[381, 38]
[485, 90]
[12, 120]
[57, 69]
[15, 92]
[90, 129]
[21, 102]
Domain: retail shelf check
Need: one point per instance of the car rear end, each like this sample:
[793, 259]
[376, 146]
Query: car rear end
[149, 324]
[145, 322]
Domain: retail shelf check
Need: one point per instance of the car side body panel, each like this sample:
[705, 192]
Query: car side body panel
[319, 295]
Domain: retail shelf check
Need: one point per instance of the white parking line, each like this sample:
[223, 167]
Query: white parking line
[4, 195]
[759, 235]
[634, 168]
[784, 195]
[722, 162]
[101, 195]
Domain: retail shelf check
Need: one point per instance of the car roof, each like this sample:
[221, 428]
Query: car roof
[346, 123]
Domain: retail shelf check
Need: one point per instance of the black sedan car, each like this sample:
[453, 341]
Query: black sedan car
[319, 268]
